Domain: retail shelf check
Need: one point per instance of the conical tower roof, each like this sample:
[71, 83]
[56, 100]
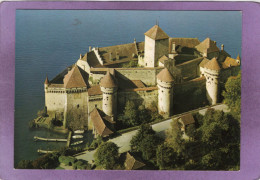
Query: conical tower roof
[213, 65]
[156, 33]
[75, 78]
[46, 80]
[108, 81]
[238, 57]
[165, 76]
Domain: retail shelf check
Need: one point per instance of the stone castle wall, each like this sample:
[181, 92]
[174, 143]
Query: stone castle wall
[145, 98]
[149, 55]
[55, 101]
[146, 75]
[190, 69]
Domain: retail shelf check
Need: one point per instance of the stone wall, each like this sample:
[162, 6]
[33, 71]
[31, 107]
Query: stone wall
[146, 75]
[190, 69]
[55, 101]
[139, 97]
[149, 52]
[161, 49]
[77, 109]
[189, 95]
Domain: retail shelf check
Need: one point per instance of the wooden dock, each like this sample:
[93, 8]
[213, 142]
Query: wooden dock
[45, 151]
[36, 138]
[69, 139]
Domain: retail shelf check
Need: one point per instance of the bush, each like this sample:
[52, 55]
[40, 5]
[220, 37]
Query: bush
[96, 142]
[25, 164]
[81, 165]
[67, 160]
[43, 112]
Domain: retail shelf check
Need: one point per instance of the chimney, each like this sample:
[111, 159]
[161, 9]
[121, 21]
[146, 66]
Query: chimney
[134, 40]
[215, 42]
[173, 47]
[110, 56]
[80, 56]
[117, 56]
[89, 49]
[222, 47]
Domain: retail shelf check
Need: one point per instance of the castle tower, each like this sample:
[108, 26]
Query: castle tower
[165, 92]
[212, 70]
[109, 87]
[156, 45]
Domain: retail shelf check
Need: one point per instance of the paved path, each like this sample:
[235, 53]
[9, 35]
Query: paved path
[123, 141]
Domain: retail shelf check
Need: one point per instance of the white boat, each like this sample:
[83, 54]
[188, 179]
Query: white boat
[79, 131]
[76, 143]
[77, 136]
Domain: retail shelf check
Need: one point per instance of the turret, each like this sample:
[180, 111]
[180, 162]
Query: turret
[238, 59]
[156, 45]
[165, 92]
[108, 85]
[46, 82]
[212, 71]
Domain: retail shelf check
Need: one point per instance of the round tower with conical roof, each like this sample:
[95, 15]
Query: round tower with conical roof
[156, 45]
[212, 71]
[165, 92]
[108, 85]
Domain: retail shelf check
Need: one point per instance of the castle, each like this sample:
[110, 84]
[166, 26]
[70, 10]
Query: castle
[102, 80]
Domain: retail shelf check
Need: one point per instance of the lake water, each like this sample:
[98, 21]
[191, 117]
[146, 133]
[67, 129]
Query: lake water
[47, 41]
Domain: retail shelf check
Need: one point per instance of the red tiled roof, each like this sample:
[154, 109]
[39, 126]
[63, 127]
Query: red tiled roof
[229, 62]
[75, 78]
[187, 119]
[108, 81]
[94, 90]
[102, 126]
[156, 33]
[163, 58]
[213, 65]
[184, 42]
[165, 75]
[203, 62]
[131, 163]
[208, 45]
[46, 80]
[238, 57]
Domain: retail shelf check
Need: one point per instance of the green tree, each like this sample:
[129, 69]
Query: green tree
[131, 113]
[190, 131]
[107, 155]
[144, 115]
[232, 95]
[220, 140]
[166, 157]
[174, 137]
[146, 142]
[145, 129]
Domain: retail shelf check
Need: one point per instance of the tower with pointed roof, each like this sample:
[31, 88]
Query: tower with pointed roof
[212, 72]
[165, 92]
[108, 85]
[156, 46]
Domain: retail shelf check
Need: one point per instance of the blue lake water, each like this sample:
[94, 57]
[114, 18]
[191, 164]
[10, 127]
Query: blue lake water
[47, 41]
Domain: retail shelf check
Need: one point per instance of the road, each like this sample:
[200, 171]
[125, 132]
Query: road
[123, 141]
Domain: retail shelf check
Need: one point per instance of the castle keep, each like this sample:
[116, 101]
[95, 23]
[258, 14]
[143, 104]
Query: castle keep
[99, 84]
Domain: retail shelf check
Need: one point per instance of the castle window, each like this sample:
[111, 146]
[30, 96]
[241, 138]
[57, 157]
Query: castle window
[95, 106]
[78, 106]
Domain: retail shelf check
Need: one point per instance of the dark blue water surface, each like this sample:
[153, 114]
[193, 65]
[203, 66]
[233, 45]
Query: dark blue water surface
[47, 41]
